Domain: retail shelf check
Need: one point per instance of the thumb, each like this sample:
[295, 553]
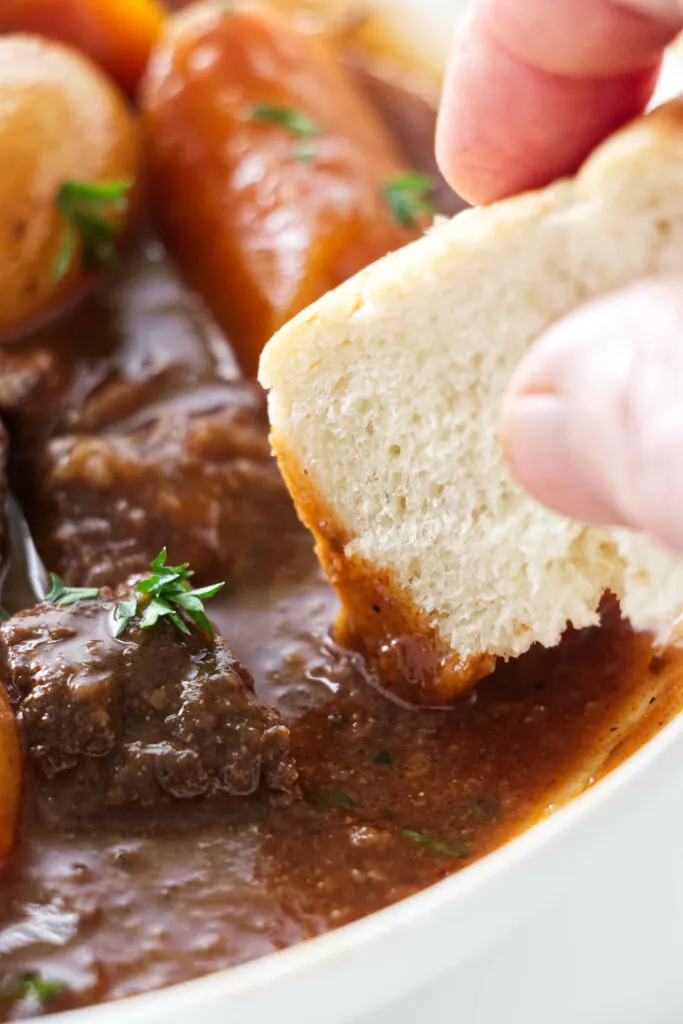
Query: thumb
[593, 421]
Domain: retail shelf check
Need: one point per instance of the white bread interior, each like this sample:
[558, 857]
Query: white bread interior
[386, 394]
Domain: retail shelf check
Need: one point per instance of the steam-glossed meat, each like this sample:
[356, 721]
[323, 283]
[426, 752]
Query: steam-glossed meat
[3, 489]
[141, 339]
[205, 486]
[148, 718]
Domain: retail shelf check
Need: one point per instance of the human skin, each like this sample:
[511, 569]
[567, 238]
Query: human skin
[593, 420]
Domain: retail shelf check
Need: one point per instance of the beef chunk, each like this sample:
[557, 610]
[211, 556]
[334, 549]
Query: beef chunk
[139, 339]
[3, 482]
[6, 540]
[33, 381]
[150, 717]
[204, 485]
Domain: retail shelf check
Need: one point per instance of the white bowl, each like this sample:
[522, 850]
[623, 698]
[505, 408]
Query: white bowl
[578, 921]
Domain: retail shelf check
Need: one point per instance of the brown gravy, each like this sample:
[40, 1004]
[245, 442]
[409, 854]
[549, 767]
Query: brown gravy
[149, 904]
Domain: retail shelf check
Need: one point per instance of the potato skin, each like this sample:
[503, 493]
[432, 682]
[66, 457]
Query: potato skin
[116, 34]
[10, 777]
[60, 119]
[259, 233]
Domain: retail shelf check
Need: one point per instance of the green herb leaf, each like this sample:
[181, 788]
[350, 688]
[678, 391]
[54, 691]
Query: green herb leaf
[382, 757]
[93, 211]
[62, 595]
[203, 593]
[158, 563]
[32, 985]
[296, 121]
[125, 611]
[96, 193]
[157, 609]
[485, 809]
[331, 798]
[165, 594]
[342, 798]
[458, 851]
[408, 197]
[4, 614]
[305, 153]
[42, 988]
[192, 605]
[65, 254]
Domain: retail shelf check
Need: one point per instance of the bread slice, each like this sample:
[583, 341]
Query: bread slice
[384, 404]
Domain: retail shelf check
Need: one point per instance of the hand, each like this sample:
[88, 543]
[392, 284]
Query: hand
[593, 421]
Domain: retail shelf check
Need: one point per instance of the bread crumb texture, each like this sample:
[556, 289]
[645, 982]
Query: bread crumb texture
[387, 393]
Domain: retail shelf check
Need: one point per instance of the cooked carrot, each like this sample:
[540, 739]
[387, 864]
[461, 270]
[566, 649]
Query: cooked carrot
[10, 777]
[271, 176]
[116, 34]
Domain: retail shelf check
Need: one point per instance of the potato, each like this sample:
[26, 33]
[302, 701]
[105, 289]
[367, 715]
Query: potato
[60, 120]
[269, 171]
[10, 776]
[116, 34]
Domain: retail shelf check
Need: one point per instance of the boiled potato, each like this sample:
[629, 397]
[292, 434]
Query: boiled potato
[61, 121]
[10, 776]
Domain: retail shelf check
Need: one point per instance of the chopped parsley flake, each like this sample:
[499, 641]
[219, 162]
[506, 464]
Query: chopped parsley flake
[166, 593]
[305, 153]
[382, 757]
[296, 121]
[457, 850]
[62, 595]
[409, 197]
[32, 986]
[94, 212]
[481, 807]
[333, 798]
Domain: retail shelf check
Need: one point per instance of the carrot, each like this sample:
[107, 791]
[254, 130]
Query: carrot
[10, 776]
[116, 34]
[269, 172]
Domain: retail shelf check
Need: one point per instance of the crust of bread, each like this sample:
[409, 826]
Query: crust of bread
[384, 399]
[377, 617]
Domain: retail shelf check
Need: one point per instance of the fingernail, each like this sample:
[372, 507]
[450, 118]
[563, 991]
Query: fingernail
[536, 440]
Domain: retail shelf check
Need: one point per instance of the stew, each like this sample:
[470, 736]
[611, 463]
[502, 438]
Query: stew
[195, 799]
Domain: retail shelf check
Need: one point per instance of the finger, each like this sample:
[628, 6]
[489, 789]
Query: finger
[593, 421]
[533, 86]
[583, 37]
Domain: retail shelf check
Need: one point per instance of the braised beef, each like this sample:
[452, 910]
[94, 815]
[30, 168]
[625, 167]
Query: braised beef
[142, 719]
[3, 500]
[205, 486]
[31, 384]
[141, 339]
